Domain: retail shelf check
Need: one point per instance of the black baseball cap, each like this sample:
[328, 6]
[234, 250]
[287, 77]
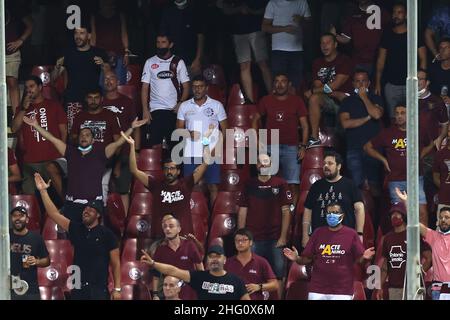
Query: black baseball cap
[97, 205]
[21, 209]
[216, 249]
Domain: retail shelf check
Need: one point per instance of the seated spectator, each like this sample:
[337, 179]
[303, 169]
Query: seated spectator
[360, 115]
[331, 83]
[171, 288]
[39, 154]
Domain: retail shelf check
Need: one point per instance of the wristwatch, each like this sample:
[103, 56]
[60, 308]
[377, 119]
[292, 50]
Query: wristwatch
[260, 287]
[117, 289]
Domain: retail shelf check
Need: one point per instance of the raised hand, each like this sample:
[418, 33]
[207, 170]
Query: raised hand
[145, 258]
[402, 195]
[128, 139]
[291, 254]
[138, 123]
[369, 253]
[40, 183]
[30, 121]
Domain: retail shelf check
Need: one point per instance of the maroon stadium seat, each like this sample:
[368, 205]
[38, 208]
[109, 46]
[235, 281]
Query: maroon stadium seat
[51, 293]
[50, 93]
[138, 226]
[43, 72]
[141, 204]
[218, 93]
[128, 90]
[308, 178]
[297, 283]
[222, 225]
[55, 275]
[134, 75]
[241, 116]
[329, 138]
[200, 215]
[51, 231]
[115, 213]
[369, 232]
[233, 180]
[226, 202]
[138, 187]
[150, 159]
[313, 158]
[359, 293]
[131, 250]
[60, 251]
[135, 272]
[135, 292]
[215, 75]
[237, 97]
[31, 204]
[298, 222]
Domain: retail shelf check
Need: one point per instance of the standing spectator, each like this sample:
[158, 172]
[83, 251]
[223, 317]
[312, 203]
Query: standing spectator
[179, 252]
[264, 209]
[107, 24]
[202, 116]
[165, 85]
[15, 18]
[360, 115]
[214, 284]
[28, 252]
[254, 270]
[393, 142]
[441, 175]
[394, 255]
[95, 248]
[438, 27]
[125, 111]
[183, 23]
[83, 63]
[391, 61]
[104, 125]
[39, 154]
[331, 83]
[287, 22]
[86, 164]
[439, 72]
[365, 41]
[14, 175]
[171, 288]
[245, 18]
[172, 195]
[333, 188]
[333, 251]
[285, 113]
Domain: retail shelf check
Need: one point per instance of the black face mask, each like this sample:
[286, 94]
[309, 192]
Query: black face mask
[162, 52]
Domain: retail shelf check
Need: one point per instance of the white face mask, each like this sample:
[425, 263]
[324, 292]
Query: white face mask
[422, 92]
[180, 3]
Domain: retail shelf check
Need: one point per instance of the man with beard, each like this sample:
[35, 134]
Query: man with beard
[179, 252]
[440, 72]
[83, 63]
[95, 248]
[264, 209]
[28, 252]
[172, 195]
[439, 240]
[392, 59]
[165, 85]
[213, 284]
[104, 125]
[333, 251]
[333, 188]
[86, 164]
[39, 154]
[285, 112]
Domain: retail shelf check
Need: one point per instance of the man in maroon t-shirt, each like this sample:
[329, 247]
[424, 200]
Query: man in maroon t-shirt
[253, 269]
[125, 111]
[333, 251]
[331, 83]
[86, 164]
[179, 252]
[441, 175]
[264, 209]
[285, 113]
[171, 195]
[394, 255]
[103, 123]
[39, 154]
[392, 141]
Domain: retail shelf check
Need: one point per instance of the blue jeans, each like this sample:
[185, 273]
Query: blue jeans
[362, 166]
[402, 186]
[212, 174]
[289, 164]
[289, 63]
[275, 256]
[435, 294]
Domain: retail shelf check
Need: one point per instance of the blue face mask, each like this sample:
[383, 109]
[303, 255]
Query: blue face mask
[87, 149]
[334, 219]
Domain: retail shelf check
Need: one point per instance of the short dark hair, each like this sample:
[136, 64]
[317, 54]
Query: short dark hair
[87, 128]
[329, 34]
[85, 22]
[281, 74]
[337, 157]
[244, 232]
[165, 35]
[401, 4]
[35, 79]
[444, 39]
[335, 204]
[401, 104]
[361, 70]
[201, 78]
[444, 209]
[424, 71]
[94, 90]
[169, 160]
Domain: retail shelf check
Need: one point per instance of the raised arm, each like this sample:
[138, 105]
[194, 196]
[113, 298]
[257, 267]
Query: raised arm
[59, 144]
[112, 147]
[138, 174]
[166, 269]
[50, 207]
[295, 257]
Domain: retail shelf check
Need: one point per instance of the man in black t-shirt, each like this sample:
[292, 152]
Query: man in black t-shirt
[28, 252]
[214, 284]
[439, 72]
[332, 188]
[95, 248]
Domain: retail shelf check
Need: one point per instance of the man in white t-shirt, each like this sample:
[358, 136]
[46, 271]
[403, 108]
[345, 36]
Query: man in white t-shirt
[166, 80]
[202, 117]
[286, 21]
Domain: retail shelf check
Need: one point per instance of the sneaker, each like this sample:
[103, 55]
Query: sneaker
[313, 142]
